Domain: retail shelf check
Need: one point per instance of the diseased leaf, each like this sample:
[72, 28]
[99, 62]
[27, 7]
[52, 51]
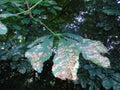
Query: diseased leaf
[3, 28]
[66, 60]
[38, 54]
[91, 51]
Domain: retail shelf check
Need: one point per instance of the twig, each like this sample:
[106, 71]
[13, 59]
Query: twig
[45, 26]
[28, 7]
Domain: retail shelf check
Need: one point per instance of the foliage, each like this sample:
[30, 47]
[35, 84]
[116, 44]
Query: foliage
[40, 53]
[3, 29]
[73, 57]
[66, 59]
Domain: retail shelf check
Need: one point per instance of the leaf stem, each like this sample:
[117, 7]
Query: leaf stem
[45, 26]
[58, 35]
[30, 8]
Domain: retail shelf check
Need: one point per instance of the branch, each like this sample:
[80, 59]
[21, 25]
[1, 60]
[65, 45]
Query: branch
[45, 26]
[28, 7]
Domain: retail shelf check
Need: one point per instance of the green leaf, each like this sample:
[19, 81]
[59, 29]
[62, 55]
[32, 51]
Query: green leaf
[77, 38]
[3, 1]
[3, 28]
[66, 60]
[48, 3]
[91, 51]
[107, 83]
[83, 81]
[116, 76]
[53, 11]
[38, 11]
[111, 12]
[7, 15]
[37, 41]
[38, 54]
[33, 1]
[57, 8]
[26, 21]
[17, 27]
[116, 87]
[22, 70]
[52, 2]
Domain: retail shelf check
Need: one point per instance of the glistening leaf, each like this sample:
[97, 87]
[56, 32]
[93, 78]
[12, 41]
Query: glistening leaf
[66, 60]
[38, 54]
[3, 28]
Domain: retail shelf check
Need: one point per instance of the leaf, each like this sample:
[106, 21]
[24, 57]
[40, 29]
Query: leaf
[25, 21]
[3, 1]
[111, 12]
[17, 27]
[66, 60]
[7, 15]
[48, 3]
[77, 38]
[38, 11]
[116, 87]
[116, 76]
[83, 81]
[3, 28]
[52, 2]
[107, 83]
[21, 66]
[33, 1]
[53, 11]
[91, 51]
[37, 41]
[22, 70]
[38, 54]
[57, 8]
[45, 3]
